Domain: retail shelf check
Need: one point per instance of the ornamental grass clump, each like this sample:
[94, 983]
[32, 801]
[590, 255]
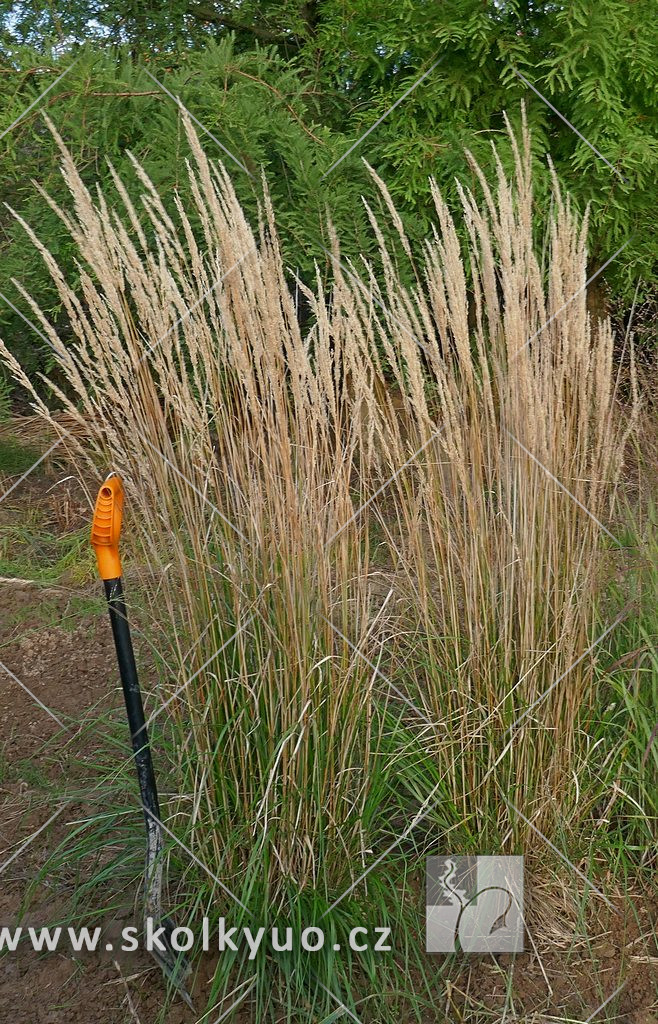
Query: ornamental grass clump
[413, 490]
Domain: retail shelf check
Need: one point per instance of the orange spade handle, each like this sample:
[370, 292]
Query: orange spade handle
[106, 528]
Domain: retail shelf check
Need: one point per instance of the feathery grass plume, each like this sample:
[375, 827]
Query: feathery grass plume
[506, 390]
[251, 454]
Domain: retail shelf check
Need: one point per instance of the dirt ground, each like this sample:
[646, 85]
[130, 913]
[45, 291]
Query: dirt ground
[55, 639]
[55, 642]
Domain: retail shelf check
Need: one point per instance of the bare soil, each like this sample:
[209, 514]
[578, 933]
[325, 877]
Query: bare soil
[56, 641]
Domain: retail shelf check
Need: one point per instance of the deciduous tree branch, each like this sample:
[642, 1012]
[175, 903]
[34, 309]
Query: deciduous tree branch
[204, 12]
